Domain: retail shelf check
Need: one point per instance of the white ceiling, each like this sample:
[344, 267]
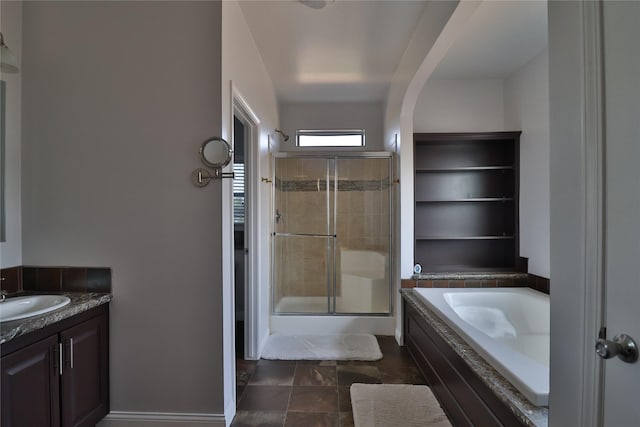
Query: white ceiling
[500, 37]
[348, 50]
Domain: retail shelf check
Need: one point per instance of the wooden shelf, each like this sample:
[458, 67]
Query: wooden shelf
[466, 200]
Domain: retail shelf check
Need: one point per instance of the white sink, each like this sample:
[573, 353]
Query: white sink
[20, 307]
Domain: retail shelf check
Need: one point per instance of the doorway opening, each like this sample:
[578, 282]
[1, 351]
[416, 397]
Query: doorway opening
[240, 245]
[247, 244]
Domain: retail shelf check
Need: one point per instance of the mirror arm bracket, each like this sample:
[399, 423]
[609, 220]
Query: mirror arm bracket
[202, 177]
[218, 174]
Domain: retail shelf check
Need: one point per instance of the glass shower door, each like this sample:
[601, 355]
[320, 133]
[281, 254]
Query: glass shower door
[363, 243]
[304, 235]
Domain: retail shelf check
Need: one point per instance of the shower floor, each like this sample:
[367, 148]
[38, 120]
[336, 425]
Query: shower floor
[319, 305]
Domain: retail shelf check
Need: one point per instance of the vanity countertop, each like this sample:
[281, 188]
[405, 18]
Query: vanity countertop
[80, 302]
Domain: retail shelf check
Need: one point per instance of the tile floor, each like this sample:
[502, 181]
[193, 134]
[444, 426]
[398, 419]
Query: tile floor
[314, 393]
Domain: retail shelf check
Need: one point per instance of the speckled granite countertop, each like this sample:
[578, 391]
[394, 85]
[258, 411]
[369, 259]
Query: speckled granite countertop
[470, 276]
[80, 302]
[530, 415]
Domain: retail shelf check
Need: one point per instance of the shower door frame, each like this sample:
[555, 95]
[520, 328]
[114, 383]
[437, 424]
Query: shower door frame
[332, 278]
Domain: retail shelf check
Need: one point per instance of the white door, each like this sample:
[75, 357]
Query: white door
[621, 47]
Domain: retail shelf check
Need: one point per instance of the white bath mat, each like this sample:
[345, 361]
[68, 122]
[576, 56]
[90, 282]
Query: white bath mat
[390, 405]
[322, 347]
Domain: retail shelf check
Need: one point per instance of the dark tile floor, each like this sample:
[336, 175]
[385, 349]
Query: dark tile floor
[314, 393]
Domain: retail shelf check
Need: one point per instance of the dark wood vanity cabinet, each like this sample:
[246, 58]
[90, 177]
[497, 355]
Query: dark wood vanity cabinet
[466, 201]
[30, 385]
[61, 379]
[85, 381]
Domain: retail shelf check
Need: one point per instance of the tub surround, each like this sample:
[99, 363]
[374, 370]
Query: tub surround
[477, 280]
[539, 283]
[517, 404]
[509, 276]
[80, 302]
[508, 327]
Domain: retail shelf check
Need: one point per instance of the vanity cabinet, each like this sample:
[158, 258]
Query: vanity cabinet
[30, 385]
[466, 201]
[61, 379]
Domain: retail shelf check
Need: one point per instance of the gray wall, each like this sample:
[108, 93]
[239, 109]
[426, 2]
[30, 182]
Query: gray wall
[333, 116]
[11, 248]
[462, 105]
[117, 98]
[526, 102]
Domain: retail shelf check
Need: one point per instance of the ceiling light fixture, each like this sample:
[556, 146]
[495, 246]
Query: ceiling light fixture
[8, 61]
[316, 4]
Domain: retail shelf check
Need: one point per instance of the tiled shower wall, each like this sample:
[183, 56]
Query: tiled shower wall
[362, 220]
[363, 204]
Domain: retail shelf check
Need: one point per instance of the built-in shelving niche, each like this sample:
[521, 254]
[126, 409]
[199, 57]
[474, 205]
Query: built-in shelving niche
[466, 201]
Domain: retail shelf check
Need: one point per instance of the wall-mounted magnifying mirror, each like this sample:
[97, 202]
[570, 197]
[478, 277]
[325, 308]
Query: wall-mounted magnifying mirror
[215, 153]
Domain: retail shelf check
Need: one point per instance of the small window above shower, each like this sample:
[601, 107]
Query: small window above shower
[330, 138]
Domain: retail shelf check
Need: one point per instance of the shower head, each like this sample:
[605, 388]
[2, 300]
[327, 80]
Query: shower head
[285, 137]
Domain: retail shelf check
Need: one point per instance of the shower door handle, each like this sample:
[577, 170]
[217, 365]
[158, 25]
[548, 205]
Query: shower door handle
[278, 216]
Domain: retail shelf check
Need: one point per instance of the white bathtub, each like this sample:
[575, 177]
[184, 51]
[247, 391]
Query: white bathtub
[508, 327]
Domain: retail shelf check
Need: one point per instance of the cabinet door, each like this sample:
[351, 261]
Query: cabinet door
[30, 386]
[85, 392]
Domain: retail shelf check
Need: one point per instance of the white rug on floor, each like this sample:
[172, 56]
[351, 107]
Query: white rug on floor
[390, 405]
[322, 347]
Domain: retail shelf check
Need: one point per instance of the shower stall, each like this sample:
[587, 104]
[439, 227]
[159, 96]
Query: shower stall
[332, 234]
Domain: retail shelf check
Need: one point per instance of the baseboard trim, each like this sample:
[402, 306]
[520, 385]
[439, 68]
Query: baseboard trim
[399, 337]
[263, 342]
[230, 411]
[160, 419]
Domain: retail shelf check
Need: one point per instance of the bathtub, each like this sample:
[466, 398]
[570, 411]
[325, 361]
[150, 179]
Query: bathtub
[508, 327]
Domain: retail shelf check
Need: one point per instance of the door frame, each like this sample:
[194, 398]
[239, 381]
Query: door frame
[595, 238]
[578, 240]
[241, 109]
